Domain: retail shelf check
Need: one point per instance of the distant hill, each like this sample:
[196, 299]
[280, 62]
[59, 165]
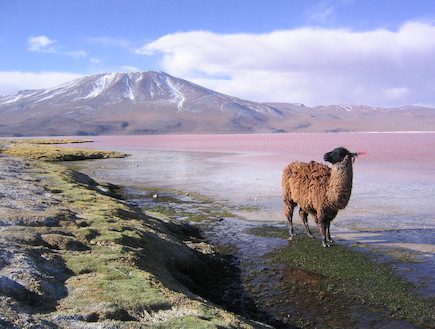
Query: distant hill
[157, 103]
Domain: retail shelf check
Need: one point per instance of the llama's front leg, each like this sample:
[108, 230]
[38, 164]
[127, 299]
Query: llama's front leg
[304, 217]
[323, 223]
[288, 211]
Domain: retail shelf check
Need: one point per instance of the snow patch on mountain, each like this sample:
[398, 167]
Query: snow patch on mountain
[101, 84]
[164, 86]
[15, 97]
[178, 95]
[129, 94]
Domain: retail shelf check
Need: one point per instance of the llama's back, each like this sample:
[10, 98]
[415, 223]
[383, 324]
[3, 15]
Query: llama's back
[289, 173]
[304, 183]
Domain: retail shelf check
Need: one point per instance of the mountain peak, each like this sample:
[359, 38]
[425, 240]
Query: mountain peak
[107, 88]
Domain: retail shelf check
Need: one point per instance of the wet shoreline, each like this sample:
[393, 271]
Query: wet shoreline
[263, 289]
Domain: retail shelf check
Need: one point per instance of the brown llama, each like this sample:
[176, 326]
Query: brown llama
[318, 190]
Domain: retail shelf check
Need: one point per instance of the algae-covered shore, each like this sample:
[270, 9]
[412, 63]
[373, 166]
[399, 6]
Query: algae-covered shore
[43, 149]
[77, 253]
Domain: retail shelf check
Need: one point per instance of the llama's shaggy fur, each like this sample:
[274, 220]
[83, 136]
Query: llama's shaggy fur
[318, 190]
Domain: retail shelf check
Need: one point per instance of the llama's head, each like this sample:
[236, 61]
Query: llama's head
[338, 155]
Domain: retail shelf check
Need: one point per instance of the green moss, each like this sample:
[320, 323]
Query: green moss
[355, 274]
[401, 254]
[131, 290]
[269, 231]
[50, 141]
[88, 263]
[113, 284]
[198, 217]
[191, 322]
[53, 153]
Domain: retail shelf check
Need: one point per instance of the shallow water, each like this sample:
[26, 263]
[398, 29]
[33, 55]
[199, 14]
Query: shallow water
[392, 198]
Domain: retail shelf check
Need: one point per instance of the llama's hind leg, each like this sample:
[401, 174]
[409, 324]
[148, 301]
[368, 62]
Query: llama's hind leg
[288, 211]
[328, 232]
[323, 223]
[304, 216]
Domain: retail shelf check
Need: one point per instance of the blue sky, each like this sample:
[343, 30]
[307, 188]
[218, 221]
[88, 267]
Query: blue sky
[371, 52]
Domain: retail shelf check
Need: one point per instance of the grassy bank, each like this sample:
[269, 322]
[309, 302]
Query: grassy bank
[137, 268]
[354, 274]
[123, 268]
[41, 149]
[49, 141]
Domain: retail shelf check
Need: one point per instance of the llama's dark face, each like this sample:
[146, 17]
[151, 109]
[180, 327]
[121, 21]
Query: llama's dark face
[338, 155]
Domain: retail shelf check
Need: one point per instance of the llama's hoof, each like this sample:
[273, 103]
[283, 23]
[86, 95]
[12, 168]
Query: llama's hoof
[291, 237]
[325, 245]
[310, 235]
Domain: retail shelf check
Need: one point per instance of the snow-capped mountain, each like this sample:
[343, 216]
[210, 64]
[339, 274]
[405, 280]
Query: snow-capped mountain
[112, 88]
[134, 103]
[155, 102]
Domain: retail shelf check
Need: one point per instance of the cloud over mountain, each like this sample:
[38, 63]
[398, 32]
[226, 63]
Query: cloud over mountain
[15, 80]
[311, 65]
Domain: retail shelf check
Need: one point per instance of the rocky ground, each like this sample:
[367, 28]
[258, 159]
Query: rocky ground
[31, 274]
[73, 255]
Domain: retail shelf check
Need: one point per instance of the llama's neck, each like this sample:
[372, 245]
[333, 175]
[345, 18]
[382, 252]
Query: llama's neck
[340, 184]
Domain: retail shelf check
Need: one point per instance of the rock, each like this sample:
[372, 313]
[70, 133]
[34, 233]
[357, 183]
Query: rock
[11, 288]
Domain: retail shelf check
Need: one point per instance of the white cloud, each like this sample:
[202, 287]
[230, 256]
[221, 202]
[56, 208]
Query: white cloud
[41, 44]
[308, 65]
[14, 80]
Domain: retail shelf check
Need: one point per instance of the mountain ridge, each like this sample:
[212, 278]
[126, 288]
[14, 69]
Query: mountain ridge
[158, 103]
